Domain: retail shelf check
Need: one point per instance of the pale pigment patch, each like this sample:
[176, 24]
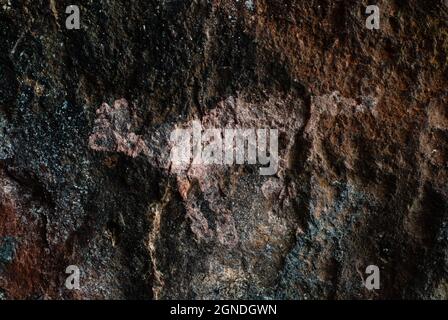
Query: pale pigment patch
[113, 131]
[249, 5]
[201, 182]
[231, 113]
[335, 104]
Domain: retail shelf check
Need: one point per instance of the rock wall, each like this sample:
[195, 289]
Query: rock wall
[86, 179]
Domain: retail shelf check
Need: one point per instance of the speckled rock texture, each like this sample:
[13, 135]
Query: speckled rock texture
[86, 178]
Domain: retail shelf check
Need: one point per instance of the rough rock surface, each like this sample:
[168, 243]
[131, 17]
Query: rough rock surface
[85, 122]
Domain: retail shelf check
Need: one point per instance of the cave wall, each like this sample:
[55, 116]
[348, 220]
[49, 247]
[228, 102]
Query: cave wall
[363, 127]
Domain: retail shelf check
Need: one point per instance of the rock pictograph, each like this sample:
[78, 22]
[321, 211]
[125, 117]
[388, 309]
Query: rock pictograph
[85, 175]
